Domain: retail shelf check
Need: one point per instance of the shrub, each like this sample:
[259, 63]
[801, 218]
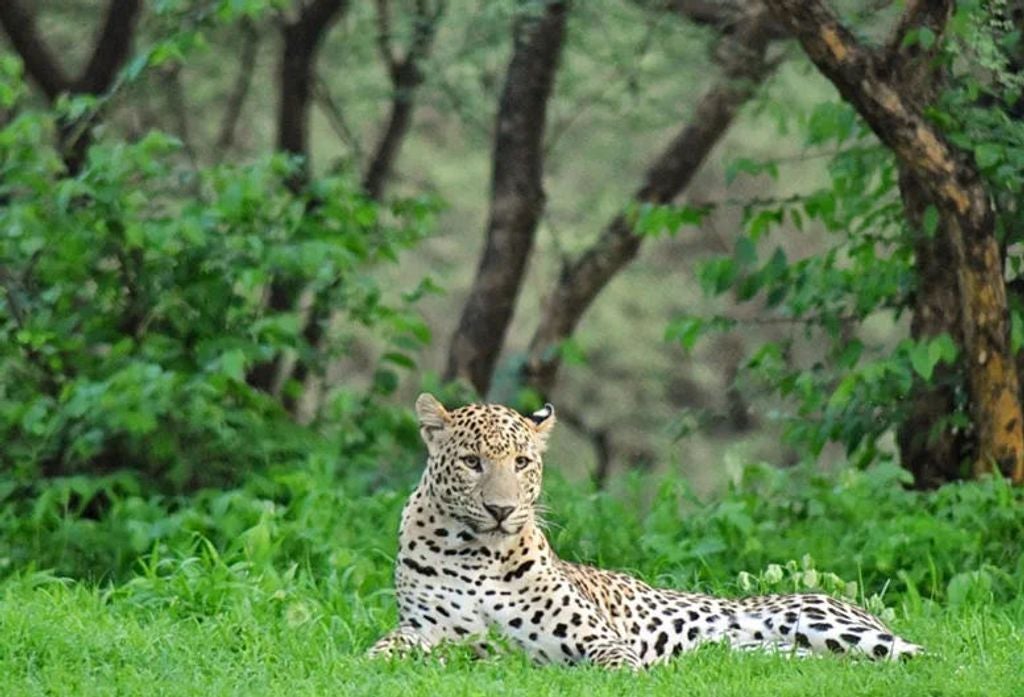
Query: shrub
[133, 306]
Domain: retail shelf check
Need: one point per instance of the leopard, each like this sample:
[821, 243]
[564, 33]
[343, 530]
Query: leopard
[473, 559]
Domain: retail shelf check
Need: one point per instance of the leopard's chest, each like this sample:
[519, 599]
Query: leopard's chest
[454, 592]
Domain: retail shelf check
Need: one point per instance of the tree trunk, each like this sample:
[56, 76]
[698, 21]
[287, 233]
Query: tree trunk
[953, 183]
[302, 39]
[517, 197]
[580, 282]
[929, 448]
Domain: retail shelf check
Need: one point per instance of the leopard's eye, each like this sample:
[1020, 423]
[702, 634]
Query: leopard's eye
[522, 462]
[473, 462]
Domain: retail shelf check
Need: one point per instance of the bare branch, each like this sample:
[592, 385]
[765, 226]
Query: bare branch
[745, 66]
[110, 50]
[243, 82]
[406, 75]
[302, 39]
[384, 37]
[178, 105]
[336, 118]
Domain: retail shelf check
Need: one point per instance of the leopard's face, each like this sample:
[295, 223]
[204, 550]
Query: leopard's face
[484, 467]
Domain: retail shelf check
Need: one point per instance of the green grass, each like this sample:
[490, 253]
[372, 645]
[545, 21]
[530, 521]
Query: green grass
[58, 638]
[278, 587]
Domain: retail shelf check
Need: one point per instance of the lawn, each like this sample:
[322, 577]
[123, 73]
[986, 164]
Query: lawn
[66, 638]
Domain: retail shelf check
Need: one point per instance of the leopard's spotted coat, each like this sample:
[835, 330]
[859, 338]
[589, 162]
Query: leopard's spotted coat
[472, 557]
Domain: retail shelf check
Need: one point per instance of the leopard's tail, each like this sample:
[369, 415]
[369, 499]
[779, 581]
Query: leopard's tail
[807, 624]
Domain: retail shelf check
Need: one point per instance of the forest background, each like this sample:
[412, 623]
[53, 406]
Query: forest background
[763, 258]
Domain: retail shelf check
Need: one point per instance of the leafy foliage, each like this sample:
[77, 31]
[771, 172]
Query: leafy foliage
[134, 305]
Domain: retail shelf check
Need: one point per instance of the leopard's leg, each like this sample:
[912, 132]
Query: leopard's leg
[399, 642]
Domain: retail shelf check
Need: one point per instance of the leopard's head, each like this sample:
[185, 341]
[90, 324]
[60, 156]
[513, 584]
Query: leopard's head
[484, 462]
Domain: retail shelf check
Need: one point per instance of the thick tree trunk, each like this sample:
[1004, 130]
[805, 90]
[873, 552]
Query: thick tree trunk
[517, 197]
[580, 282]
[929, 446]
[952, 182]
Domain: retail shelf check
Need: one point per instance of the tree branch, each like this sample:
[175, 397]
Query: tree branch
[517, 196]
[40, 64]
[243, 82]
[302, 38]
[406, 75]
[744, 67]
[111, 48]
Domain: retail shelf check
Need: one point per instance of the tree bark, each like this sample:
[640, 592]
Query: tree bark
[40, 65]
[110, 50]
[517, 196]
[406, 75]
[744, 68]
[954, 185]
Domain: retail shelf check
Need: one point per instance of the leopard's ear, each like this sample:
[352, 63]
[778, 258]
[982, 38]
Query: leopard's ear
[543, 421]
[434, 418]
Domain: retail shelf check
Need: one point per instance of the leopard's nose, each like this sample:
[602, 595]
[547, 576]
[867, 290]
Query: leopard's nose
[500, 513]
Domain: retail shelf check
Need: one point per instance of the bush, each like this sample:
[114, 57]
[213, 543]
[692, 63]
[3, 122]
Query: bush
[949, 544]
[134, 306]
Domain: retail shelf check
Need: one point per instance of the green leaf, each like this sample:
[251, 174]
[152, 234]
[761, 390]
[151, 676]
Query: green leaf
[717, 275]
[399, 359]
[232, 364]
[943, 349]
[686, 331]
[745, 165]
[922, 360]
[844, 392]
[745, 251]
[988, 154]
[925, 37]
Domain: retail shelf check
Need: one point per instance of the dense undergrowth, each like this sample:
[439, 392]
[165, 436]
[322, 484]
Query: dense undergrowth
[957, 543]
